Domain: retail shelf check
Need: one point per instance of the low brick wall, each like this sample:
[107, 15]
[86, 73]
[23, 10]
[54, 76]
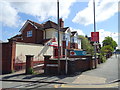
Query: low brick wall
[77, 64]
[82, 65]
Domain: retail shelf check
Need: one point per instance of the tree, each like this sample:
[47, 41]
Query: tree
[106, 49]
[85, 45]
[109, 41]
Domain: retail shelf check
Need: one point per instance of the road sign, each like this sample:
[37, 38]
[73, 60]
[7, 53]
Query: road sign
[77, 53]
[94, 36]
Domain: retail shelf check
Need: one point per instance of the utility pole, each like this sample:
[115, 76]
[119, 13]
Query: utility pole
[58, 37]
[94, 31]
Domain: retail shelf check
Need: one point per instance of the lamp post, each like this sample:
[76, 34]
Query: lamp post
[66, 64]
[58, 37]
[94, 31]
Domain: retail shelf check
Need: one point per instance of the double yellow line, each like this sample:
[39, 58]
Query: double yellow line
[88, 86]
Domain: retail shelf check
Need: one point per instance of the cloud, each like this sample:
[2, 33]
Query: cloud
[42, 9]
[104, 10]
[8, 15]
[103, 34]
[79, 31]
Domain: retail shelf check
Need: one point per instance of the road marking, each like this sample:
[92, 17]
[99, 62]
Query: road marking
[90, 86]
[56, 86]
[86, 79]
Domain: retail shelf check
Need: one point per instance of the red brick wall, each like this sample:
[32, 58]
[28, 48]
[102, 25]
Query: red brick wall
[82, 65]
[68, 47]
[26, 39]
[8, 57]
[74, 45]
[64, 44]
[39, 36]
[19, 40]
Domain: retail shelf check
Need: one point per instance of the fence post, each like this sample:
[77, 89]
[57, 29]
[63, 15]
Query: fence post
[29, 63]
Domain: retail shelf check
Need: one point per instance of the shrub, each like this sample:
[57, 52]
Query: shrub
[30, 71]
[102, 58]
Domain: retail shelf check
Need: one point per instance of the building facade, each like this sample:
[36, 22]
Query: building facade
[38, 40]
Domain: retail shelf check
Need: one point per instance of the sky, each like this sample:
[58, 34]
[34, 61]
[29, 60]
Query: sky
[77, 14]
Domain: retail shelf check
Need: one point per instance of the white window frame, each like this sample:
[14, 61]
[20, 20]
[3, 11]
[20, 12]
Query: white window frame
[29, 33]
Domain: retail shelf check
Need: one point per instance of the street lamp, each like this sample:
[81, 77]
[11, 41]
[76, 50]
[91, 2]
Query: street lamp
[58, 37]
[66, 64]
[94, 31]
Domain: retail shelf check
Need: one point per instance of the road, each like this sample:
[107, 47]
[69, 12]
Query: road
[107, 70]
[101, 77]
[96, 78]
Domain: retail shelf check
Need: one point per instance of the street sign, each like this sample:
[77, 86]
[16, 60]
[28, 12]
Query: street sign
[94, 36]
[77, 53]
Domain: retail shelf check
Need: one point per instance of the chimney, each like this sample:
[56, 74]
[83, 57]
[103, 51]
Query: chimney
[61, 23]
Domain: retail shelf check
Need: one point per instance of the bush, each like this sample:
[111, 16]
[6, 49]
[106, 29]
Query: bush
[31, 71]
[102, 58]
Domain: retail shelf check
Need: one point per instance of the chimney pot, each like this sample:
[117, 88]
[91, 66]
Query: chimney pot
[61, 23]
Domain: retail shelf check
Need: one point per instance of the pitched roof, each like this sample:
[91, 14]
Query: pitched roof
[48, 24]
[73, 33]
[40, 26]
[16, 36]
[64, 29]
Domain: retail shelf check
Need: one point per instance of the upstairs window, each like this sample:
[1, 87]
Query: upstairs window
[74, 39]
[29, 33]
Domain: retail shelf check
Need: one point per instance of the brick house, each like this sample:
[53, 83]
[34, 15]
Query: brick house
[38, 40]
[46, 33]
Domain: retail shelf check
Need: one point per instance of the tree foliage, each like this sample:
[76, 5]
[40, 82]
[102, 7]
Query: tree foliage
[109, 41]
[85, 45]
[106, 49]
[109, 45]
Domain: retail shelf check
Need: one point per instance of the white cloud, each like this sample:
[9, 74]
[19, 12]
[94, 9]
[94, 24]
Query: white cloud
[42, 9]
[104, 10]
[79, 31]
[8, 15]
[103, 34]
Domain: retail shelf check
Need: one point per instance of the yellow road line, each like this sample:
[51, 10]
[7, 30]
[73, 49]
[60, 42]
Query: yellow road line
[91, 86]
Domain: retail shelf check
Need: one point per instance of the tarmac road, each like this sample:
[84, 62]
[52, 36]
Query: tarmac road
[107, 70]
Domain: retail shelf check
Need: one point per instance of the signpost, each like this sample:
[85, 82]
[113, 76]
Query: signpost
[95, 36]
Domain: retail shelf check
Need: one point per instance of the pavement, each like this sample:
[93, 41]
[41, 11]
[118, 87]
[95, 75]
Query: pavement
[105, 76]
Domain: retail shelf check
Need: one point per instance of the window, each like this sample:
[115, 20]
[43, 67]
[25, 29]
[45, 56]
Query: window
[74, 39]
[29, 33]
